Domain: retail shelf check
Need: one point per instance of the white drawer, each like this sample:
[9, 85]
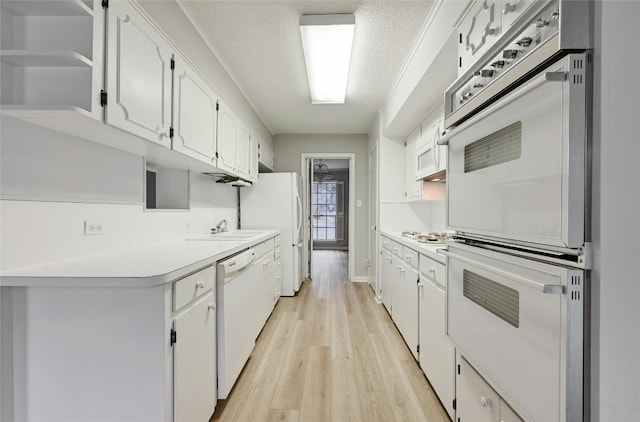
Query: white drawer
[433, 270]
[411, 257]
[386, 244]
[193, 286]
[269, 245]
[277, 252]
[259, 250]
[397, 249]
[277, 240]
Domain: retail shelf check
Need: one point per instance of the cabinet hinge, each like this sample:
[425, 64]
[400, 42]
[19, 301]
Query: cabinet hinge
[174, 337]
[418, 349]
[105, 4]
[217, 106]
[103, 98]
[454, 404]
[458, 369]
[217, 154]
[171, 132]
[173, 64]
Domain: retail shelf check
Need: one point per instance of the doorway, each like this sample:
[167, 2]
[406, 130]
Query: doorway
[328, 206]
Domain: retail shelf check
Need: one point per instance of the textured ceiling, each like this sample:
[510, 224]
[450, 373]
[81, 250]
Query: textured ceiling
[259, 44]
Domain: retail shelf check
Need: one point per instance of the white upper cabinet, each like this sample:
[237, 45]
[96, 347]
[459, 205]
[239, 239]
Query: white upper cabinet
[413, 192]
[265, 155]
[52, 56]
[253, 159]
[243, 145]
[194, 113]
[227, 138]
[138, 75]
[431, 157]
[477, 32]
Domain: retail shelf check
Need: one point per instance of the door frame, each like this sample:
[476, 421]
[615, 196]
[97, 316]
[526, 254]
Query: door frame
[352, 202]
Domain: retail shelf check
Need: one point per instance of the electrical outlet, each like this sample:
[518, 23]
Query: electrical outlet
[93, 227]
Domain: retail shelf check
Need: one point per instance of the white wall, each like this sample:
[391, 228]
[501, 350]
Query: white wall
[51, 183]
[615, 348]
[288, 152]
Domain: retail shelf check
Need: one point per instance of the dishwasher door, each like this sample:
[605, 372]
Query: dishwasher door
[235, 276]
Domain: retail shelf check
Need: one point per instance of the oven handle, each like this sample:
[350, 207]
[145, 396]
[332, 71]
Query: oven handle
[557, 289]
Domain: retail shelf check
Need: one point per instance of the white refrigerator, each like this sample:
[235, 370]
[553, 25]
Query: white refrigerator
[274, 203]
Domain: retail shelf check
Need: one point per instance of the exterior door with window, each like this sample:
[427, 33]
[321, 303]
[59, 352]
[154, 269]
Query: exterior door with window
[328, 212]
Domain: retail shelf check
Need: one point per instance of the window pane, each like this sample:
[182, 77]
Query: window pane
[331, 210]
[331, 234]
[322, 188]
[322, 234]
[315, 233]
[331, 188]
[330, 221]
[331, 198]
[322, 209]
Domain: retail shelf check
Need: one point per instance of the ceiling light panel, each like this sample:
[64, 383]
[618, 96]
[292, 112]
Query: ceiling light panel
[327, 42]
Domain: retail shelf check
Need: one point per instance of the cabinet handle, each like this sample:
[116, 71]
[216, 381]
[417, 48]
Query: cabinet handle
[485, 402]
[212, 306]
[200, 285]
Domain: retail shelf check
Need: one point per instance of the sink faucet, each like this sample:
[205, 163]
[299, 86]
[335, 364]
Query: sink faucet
[221, 227]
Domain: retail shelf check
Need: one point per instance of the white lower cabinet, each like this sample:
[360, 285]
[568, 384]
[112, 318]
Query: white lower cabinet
[387, 274]
[476, 401]
[437, 353]
[405, 305]
[110, 353]
[194, 362]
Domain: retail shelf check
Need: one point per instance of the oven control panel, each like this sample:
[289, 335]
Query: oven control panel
[540, 29]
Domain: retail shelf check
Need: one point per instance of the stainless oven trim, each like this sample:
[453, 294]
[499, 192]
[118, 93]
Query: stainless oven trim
[576, 102]
[573, 370]
[575, 33]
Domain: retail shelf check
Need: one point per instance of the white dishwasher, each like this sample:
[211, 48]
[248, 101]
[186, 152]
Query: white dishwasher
[235, 277]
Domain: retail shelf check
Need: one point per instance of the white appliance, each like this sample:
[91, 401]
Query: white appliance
[274, 203]
[432, 158]
[236, 332]
[517, 195]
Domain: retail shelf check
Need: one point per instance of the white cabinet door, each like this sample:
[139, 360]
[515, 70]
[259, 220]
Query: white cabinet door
[253, 159]
[388, 275]
[194, 113]
[138, 75]
[411, 167]
[476, 401]
[477, 32]
[405, 305]
[227, 139]
[194, 360]
[437, 353]
[242, 151]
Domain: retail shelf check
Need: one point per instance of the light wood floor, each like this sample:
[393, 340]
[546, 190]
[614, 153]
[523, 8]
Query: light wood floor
[331, 353]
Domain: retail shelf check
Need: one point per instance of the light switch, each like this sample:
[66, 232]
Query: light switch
[359, 203]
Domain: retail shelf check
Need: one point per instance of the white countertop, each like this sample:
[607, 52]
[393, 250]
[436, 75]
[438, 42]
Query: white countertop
[142, 266]
[428, 249]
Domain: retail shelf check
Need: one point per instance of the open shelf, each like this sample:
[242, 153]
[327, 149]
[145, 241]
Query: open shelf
[47, 7]
[44, 58]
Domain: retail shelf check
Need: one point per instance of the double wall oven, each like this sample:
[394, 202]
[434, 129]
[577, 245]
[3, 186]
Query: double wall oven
[518, 135]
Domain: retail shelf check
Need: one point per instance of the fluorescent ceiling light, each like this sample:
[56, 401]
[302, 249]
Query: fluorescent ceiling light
[327, 41]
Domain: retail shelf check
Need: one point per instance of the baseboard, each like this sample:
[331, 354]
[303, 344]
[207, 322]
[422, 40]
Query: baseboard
[360, 279]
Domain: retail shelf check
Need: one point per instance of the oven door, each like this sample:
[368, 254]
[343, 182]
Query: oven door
[517, 170]
[521, 322]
